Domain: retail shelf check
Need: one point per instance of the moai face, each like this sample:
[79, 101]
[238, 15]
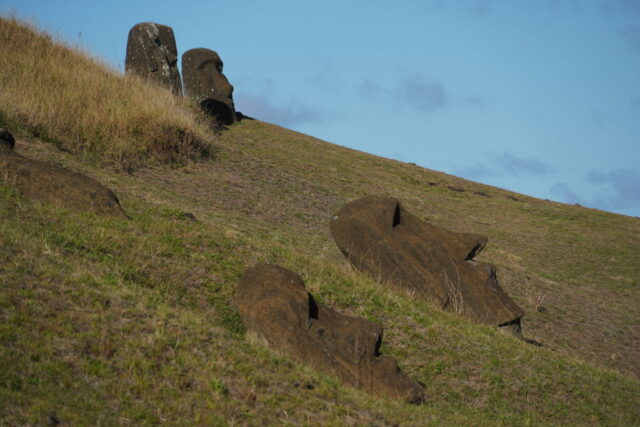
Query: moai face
[275, 305]
[152, 54]
[384, 240]
[205, 83]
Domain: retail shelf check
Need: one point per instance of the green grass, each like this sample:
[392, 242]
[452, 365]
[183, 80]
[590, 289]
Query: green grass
[131, 321]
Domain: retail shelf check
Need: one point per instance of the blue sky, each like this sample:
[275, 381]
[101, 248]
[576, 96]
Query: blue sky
[540, 97]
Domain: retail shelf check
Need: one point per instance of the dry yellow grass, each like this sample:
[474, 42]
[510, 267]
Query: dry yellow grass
[76, 102]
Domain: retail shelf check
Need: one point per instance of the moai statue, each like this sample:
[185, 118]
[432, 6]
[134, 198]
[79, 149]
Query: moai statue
[50, 183]
[152, 54]
[276, 307]
[396, 247]
[205, 83]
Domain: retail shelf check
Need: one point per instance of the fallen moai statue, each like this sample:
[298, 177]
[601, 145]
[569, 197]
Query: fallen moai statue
[152, 54]
[49, 183]
[384, 240]
[275, 305]
[207, 85]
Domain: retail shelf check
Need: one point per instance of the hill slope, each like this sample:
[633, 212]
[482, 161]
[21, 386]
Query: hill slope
[131, 321]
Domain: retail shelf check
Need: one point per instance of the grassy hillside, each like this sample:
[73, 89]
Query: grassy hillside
[131, 322]
[72, 100]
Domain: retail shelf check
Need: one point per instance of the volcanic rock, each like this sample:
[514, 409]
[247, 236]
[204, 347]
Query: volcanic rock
[152, 54]
[206, 84]
[49, 183]
[384, 240]
[275, 305]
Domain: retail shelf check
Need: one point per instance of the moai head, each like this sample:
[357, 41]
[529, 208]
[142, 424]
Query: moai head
[206, 84]
[384, 240]
[275, 305]
[152, 54]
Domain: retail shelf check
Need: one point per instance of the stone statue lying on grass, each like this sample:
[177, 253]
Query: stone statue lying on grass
[384, 240]
[54, 184]
[275, 305]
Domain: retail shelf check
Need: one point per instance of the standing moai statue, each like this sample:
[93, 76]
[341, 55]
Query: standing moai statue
[206, 84]
[152, 54]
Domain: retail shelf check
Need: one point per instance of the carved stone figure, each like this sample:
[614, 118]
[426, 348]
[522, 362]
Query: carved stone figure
[152, 54]
[275, 305]
[50, 183]
[384, 240]
[206, 84]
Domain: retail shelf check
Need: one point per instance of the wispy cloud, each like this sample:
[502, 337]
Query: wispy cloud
[632, 34]
[506, 164]
[480, 7]
[620, 188]
[476, 171]
[255, 98]
[622, 6]
[472, 7]
[326, 79]
[289, 114]
[476, 101]
[369, 90]
[422, 93]
[617, 191]
[416, 91]
[566, 195]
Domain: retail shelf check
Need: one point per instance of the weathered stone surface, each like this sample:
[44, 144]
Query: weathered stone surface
[49, 183]
[206, 84]
[384, 240]
[6, 139]
[275, 305]
[152, 54]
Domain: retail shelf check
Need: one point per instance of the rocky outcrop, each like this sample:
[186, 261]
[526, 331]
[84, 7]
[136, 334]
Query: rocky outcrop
[384, 240]
[207, 85]
[275, 305]
[152, 54]
[49, 183]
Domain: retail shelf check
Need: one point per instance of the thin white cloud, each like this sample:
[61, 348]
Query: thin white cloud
[472, 7]
[368, 90]
[292, 113]
[566, 195]
[505, 164]
[632, 34]
[626, 7]
[421, 93]
[619, 189]
[480, 7]
[476, 101]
